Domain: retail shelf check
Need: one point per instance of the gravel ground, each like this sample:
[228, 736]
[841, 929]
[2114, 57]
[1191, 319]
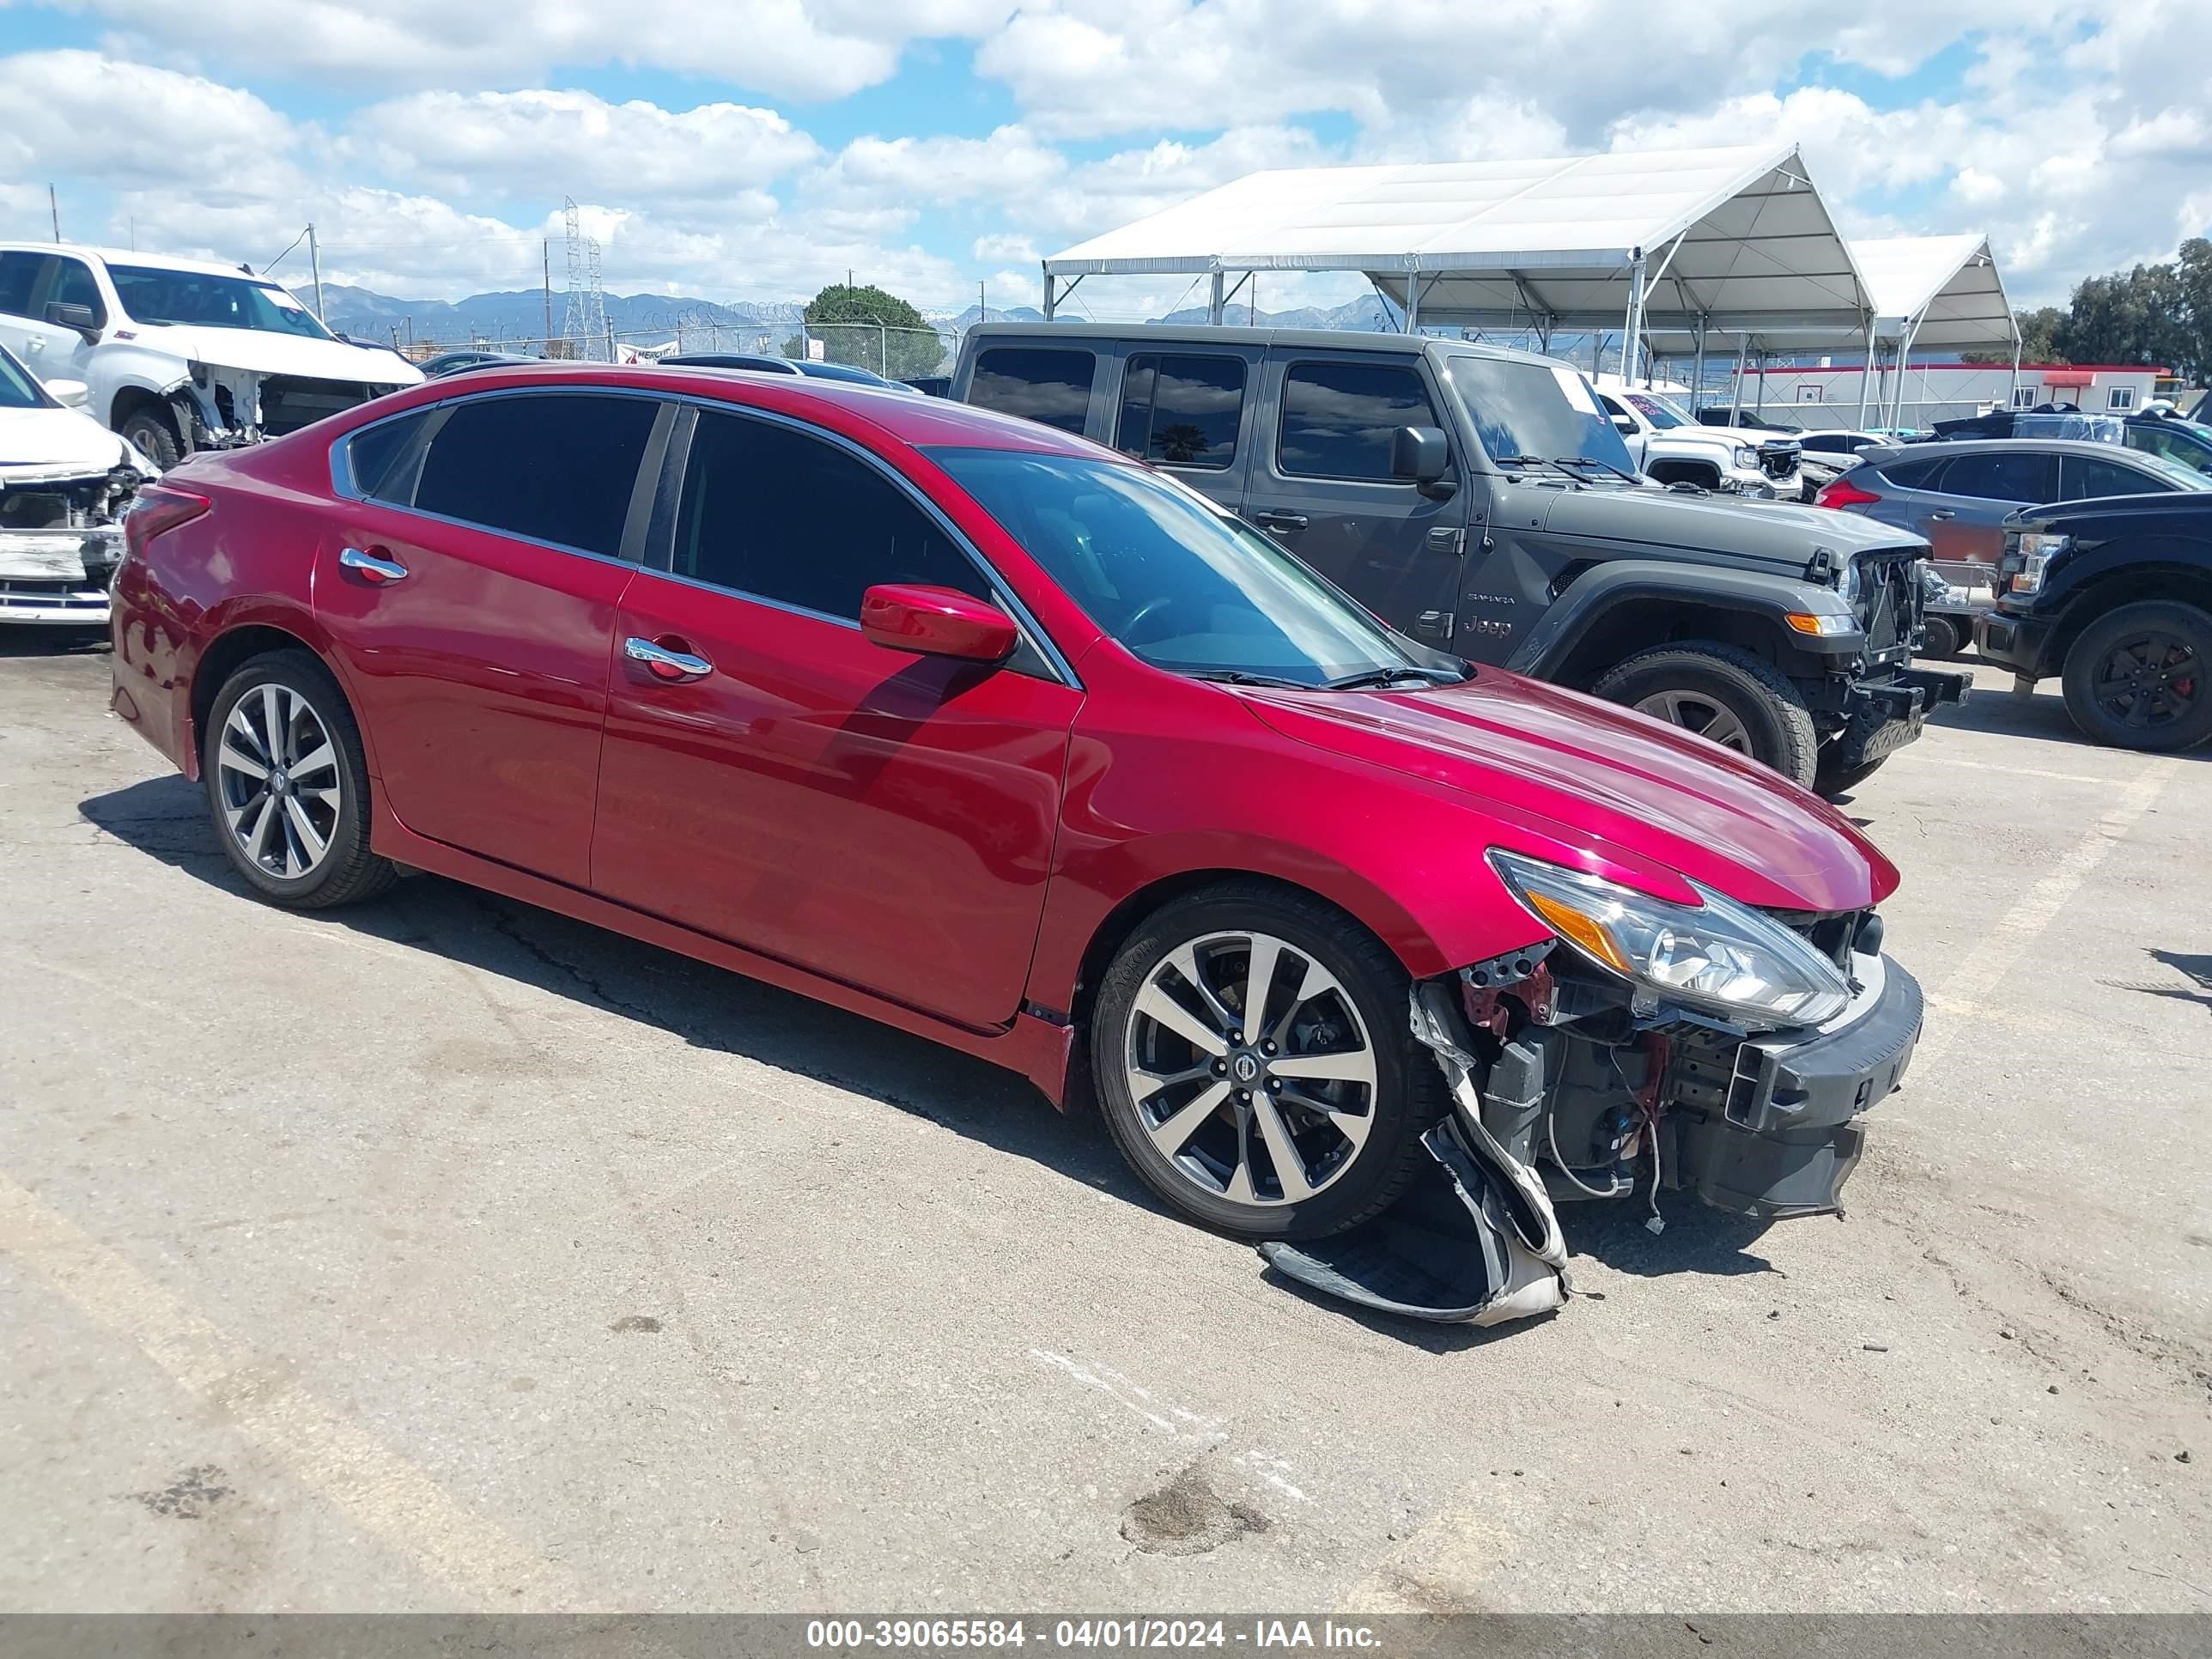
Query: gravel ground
[446, 1255]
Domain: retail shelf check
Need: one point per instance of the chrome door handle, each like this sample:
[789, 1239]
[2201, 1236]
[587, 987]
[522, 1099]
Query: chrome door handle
[665, 663]
[376, 569]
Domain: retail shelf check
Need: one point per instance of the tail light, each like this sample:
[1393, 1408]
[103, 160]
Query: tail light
[1844, 493]
[157, 509]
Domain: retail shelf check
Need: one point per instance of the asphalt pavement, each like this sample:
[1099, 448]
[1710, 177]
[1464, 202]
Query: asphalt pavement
[443, 1254]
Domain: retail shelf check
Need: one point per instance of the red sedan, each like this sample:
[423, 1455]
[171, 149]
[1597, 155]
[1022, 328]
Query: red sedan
[995, 736]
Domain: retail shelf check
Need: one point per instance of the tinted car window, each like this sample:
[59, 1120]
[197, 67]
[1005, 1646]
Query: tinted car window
[2189, 445]
[1182, 410]
[1339, 418]
[1051, 387]
[2086, 479]
[1916, 474]
[558, 467]
[2002, 475]
[1545, 410]
[374, 455]
[19, 275]
[780, 515]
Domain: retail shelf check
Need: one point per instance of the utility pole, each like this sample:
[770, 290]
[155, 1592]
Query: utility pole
[982, 310]
[55, 208]
[546, 250]
[315, 269]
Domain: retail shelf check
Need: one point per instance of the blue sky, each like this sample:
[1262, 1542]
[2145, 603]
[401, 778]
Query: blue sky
[760, 148]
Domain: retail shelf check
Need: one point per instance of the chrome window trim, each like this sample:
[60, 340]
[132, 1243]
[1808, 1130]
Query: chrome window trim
[1032, 630]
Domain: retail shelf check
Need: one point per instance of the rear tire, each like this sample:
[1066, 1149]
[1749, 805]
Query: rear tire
[1356, 1091]
[2141, 678]
[1742, 702]
[153, 434]
[287, 783]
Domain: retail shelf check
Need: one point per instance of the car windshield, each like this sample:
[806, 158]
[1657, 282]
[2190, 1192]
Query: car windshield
[2181, 444]
[205, 300]
[1181, 585]
[1544, 410]
[1661, 412]
[17, 389]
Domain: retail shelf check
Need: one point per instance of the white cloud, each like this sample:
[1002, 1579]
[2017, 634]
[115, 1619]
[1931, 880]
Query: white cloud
[548, 144]
[135, 124]
[790, 48]
[1018, 248]
[1007, 166]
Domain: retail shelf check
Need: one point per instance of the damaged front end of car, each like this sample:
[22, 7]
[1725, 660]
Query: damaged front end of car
[218, 407]
[1710, 1049]
[61, 539]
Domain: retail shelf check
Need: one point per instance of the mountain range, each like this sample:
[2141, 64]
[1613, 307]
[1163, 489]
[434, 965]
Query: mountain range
[740, 326]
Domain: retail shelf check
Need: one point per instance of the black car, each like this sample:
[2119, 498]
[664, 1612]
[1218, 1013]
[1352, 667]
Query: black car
[2187, 442]
[763, 363]
[460, 361]
[2115, 596]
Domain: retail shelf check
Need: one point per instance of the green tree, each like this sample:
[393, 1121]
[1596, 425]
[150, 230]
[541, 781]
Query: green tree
[2192, 352]
[883, 333]
[2039, 339]
[2128, 317]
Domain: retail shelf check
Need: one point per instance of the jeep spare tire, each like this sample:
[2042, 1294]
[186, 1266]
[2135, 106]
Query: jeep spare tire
[1725, 694]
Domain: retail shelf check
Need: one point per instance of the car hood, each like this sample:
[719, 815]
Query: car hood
[55, 443]
[1631, 798]
[261, 353]
[1780, 531]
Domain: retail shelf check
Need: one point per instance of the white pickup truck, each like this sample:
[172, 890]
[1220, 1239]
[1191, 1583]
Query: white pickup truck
[179, 354]
[1669, 446]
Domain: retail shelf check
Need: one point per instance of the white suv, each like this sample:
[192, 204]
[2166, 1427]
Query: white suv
[178, 354]
[1671, 447]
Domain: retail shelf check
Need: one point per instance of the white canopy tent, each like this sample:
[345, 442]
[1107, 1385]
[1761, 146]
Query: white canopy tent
[1732, 241]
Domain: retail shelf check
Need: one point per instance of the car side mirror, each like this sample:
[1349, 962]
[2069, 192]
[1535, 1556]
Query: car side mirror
[70, 394]
[1422, 455]
[82, 318]
[1624, 426]
[936, 622]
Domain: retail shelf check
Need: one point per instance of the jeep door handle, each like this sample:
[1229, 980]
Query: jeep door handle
[664, 664]
[1279, 521]
[373, 570]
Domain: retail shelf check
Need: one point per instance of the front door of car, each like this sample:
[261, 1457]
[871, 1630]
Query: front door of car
[1320, 485]
[883, 818]
[1192, 413]
[469, 582]
[1977, 492]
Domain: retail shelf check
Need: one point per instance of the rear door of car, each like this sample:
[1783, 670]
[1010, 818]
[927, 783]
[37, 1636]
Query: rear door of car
[468, 578]
[22, 279]
[1980, 488]
[1320, 484]
[1193, 410]
[882, 818]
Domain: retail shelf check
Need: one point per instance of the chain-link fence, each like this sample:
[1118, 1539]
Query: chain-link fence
[896, 354]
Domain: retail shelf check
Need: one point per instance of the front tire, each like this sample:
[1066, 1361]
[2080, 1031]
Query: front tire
[287, 783]
[153, 434]
[2137, 678]
[1254, 1064]
[1739, 700]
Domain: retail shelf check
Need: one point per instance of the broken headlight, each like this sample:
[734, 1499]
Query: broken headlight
[1717, 954]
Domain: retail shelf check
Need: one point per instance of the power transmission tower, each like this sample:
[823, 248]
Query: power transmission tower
[583, 318]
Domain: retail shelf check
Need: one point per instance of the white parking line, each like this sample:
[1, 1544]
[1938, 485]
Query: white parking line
[1948, 764]
[314, 1442]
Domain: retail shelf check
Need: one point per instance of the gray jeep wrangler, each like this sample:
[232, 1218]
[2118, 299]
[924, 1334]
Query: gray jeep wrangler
[1479, 501]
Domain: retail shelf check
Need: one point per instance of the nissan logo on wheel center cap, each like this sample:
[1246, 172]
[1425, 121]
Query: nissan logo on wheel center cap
[1246, 1069]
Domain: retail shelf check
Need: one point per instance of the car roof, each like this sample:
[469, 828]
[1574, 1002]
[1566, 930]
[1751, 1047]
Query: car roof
[894, 411]
[1319, 339]
[131, 256]
[2087, 448]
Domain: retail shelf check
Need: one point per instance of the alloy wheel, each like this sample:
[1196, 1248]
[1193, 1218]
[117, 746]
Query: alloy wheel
[2148, 680]
[1700, 714]
[1251, 1069]
[280, 779]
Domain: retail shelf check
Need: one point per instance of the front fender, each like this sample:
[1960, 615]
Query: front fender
[117, 370]
[1603, 590]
